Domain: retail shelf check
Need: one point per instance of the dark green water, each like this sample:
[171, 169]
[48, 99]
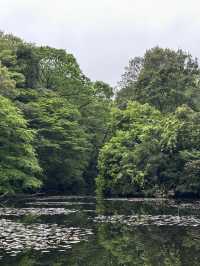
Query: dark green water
[79, 231]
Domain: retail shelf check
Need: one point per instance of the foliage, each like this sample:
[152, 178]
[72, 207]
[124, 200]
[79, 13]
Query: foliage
[61, 142]
[19, 167]
[149, 145]
[68, 112]
[150, 152]
[164, 78]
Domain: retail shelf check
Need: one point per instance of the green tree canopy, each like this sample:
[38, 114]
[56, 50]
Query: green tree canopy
[61, 142]
[151, 152]
[19, 166]
[164, 78]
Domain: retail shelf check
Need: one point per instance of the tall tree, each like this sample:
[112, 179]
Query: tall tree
[150, 152]
[19, 168]
[165, 79]
[61, 142]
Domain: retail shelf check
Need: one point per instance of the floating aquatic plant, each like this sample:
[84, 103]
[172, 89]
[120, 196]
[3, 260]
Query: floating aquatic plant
[60, 203]
[159, 220]
[34, 211]
[17, 237]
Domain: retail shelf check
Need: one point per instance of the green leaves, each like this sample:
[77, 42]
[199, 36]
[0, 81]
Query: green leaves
[149, 143]
[152, 145]
[163, 78]
[149, 150]
[61, 143]
[68, 113]
[19, 167]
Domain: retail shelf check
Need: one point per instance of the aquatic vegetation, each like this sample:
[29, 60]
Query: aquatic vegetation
[17, 237]
[48, 235]
[34, 211]
[58, 203]
[146, 220]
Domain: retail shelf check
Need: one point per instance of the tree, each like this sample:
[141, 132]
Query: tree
[165, 79]
[150, 152]
[19, 168]
[128, 79]
[53, 93]
[7, 84]
[61, 142]
[96, 121]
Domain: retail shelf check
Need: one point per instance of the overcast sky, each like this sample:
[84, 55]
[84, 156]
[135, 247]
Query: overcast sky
[104, 34]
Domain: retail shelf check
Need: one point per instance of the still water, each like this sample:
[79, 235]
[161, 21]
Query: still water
[60, 231]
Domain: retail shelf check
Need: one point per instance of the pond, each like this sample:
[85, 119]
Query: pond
[67, 230]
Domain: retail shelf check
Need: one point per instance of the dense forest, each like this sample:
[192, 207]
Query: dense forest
[61, 132]
[53, 121]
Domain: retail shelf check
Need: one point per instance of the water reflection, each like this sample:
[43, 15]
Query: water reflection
[151, 245]
[112, 232]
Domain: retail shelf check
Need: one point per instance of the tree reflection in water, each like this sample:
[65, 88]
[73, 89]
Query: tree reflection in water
[119, 243]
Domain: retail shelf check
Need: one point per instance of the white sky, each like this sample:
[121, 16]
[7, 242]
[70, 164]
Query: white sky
[104, 34]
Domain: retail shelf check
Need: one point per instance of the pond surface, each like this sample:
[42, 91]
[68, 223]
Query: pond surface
[60, 231]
